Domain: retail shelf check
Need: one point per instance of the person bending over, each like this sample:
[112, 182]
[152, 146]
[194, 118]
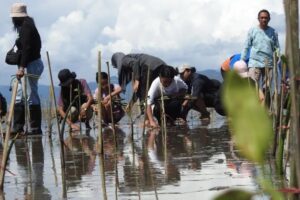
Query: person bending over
[78, 89]
[170, 86]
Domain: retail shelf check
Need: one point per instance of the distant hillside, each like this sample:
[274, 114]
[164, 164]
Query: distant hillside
[212, 74]
[44, 89]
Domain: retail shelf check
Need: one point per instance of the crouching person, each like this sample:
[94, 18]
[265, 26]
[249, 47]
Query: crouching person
[204, 92]
[77, 92]
[3, 107]
[171, 87]
[110, 101]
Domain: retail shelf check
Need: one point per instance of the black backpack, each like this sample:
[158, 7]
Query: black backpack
[3, 106]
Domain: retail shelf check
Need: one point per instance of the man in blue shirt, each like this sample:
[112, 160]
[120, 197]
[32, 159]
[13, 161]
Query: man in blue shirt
[263, 42]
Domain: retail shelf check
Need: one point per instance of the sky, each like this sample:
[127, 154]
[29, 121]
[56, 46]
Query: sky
[202, 33]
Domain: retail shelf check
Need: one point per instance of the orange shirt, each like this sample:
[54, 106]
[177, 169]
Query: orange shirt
[226, 65]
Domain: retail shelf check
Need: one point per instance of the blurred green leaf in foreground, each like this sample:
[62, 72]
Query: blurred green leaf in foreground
[251, 127]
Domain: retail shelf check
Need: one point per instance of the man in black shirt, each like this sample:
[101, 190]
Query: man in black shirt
[204, 92]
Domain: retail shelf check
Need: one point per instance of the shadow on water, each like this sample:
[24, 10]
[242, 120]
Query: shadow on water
[199, 162]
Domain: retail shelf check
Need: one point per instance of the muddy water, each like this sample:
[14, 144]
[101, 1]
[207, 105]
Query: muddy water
[198, 161]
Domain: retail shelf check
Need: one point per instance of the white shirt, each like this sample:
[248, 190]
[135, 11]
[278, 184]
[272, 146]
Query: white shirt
[154, 91]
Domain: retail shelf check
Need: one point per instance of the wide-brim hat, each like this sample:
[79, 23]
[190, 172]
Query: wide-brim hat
[18, 10]
[66, 77]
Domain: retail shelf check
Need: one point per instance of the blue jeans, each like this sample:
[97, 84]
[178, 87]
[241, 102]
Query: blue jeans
[35, 68]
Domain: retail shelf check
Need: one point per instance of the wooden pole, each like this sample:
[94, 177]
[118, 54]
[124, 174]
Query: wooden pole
[61, 136]
[111, 106]
[7, 136]
[100, 142]
[292, 52]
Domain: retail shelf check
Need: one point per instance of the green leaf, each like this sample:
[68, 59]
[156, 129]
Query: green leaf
[235, 194]
[249, 121]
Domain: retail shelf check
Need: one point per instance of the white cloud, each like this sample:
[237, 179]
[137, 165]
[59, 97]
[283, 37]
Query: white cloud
[202, 33]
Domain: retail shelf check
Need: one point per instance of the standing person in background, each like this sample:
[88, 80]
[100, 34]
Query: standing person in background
[108, 100]
[171, 86]
[228, 64]
[29, 44]
[263, 42]
[71, 88]
[134, 67]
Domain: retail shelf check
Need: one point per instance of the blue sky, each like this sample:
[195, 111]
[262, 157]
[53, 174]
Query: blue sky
[202, 33]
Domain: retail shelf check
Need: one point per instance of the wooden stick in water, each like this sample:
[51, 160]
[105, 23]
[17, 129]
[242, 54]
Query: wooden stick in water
[111, 106]
[61, 136]
[100, 142]
[7, 136]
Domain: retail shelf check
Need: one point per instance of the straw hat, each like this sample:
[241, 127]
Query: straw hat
[18, 10]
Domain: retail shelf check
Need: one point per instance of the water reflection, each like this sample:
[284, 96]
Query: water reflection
[194, 162]
[30, 160]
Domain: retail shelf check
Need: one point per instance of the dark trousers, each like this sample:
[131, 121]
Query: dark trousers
[172, 109]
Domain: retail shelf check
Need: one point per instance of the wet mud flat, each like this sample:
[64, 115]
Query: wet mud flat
[197, 161]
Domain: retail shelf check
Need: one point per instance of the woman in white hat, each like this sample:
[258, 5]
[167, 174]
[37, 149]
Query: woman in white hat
[29, 44]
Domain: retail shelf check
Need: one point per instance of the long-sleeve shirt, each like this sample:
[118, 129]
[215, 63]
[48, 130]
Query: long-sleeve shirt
[29, 42]
[262, 43]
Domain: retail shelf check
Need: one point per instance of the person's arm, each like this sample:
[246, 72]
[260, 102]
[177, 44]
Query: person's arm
[247, 46]
[152, 122]
[136, 75]
[152, 94]
[88, 94]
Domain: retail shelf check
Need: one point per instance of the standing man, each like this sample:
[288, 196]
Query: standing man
[29, 44]
[134, 67]
[263, 42]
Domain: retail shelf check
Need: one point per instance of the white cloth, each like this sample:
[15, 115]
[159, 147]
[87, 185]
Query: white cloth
[174, 88]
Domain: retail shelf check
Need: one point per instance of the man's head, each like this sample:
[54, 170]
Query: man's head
[186, 71]
[166, 75]
[263, 18]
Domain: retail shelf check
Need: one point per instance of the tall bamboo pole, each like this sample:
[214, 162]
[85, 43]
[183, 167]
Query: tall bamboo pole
[7, 136]
[61, 136]
[292, 51]
[100, 142]
[111, 106]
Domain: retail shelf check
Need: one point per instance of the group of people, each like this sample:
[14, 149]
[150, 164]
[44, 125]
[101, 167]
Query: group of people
[155, 83]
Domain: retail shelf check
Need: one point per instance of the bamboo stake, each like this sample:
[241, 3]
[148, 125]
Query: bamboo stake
[24, 85]
[100, 142]
[102, 173]
[114, 132]
[111, 106]
[7, 136]
[61, 136]
[146, 98]
[292, 49]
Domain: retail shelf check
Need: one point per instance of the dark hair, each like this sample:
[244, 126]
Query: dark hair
[103, 75]
[265, 11]
[167, 71]
[18, 21]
